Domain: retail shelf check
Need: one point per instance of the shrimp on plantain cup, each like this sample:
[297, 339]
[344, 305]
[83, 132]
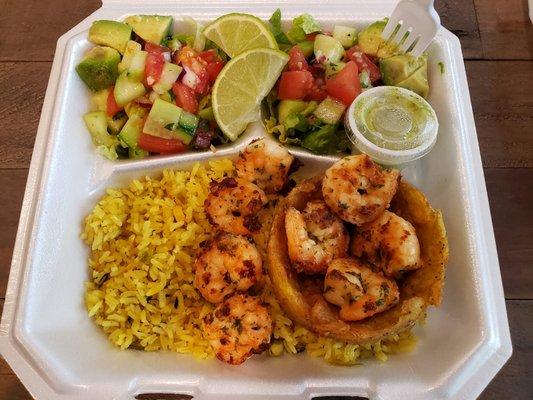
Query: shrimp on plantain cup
[390, 274]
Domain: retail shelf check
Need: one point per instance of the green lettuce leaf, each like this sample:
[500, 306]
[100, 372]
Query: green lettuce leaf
[275, 28]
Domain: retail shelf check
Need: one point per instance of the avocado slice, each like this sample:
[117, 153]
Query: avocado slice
[116, 122]
[417, 82]
[151, 28]
[371, 42]
[110, 33]
[397, 68]
[99, 100]
[96, 123]
[99, 68]
[289, 107]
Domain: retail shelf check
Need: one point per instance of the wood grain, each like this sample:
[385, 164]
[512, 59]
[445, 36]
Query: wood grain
[30, 28]
[501, 93]
[505, 29]
[22, 87]
[511, 197]
[459, 16]
[12, 183]
[514, 380]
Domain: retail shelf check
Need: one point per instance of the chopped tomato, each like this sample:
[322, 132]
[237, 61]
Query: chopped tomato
[345, 85]
[196, 76]
[209, 56]
[213, 69]
[294, 85]
[112, 106]
[363, 63]
[155, 48]
[311, 36]
[318, 90]
[153, 68]
[297, 61]
[155, 144]
[185, 97]
[214, 64]
[185, 55]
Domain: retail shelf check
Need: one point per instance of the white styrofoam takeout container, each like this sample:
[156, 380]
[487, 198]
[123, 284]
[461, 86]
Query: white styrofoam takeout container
[57, 351]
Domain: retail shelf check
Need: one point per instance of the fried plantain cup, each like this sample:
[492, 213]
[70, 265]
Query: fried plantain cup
[302, 298]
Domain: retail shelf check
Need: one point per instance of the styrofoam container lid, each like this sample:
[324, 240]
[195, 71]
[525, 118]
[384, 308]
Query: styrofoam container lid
[380, 127]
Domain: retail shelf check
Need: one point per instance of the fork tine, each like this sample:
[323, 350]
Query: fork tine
[409, 41]
[389, 28]
[422, 44]
[401, 32]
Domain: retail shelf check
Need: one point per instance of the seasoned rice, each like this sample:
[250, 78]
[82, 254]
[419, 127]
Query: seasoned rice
[143, 241]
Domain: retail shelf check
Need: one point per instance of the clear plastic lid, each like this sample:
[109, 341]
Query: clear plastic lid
[392, 125]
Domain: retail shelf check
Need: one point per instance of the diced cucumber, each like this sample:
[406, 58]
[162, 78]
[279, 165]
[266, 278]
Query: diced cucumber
[135, 109]
[328, 49]
[137, 66]
[116, 122]
[110, 33]
[99, 100]
[330, 110]
[170, 74]
[163, 96]
[371, 42]
[127, 90]
[137, 153]
[333, 68]
[188, 121]
[289, 107]
[151, 28]
[173, 43]
[99, 67]
[307, 47]
[162, 119]
[132, 47]
[130, 132]
[207, 113]
[183, 135]
[96, 123]
[345, 35]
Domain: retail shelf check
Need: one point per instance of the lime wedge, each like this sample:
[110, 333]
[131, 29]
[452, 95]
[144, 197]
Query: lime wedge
[241, 86]
[236, 33]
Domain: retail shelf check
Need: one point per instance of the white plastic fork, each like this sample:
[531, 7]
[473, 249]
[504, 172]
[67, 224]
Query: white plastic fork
[418, 19]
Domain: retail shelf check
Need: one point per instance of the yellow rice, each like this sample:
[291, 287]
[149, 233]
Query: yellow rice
[143, 240]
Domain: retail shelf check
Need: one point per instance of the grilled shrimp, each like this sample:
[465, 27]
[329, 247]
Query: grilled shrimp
[265, 163]
[357, 290]
[389, 242]
[232, 205]
[227, 264]
[238, 328]
[315, 236]
[358, 190]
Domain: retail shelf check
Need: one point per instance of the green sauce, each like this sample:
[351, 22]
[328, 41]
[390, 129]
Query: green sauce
[394, 120]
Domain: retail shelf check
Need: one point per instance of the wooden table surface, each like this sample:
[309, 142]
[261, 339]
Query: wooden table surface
[497, 41]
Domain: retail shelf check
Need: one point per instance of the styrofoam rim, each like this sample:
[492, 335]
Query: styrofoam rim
[379, 153]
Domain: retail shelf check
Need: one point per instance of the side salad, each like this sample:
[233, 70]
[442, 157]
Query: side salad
[151, 88]
[325, 73]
